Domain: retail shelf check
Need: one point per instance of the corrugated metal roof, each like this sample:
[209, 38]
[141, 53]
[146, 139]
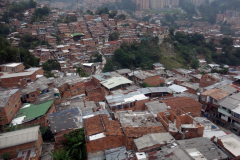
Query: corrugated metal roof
[19, 137]
[227, 88]
[17, 74]
[115, 81]
[229, 103]
[144, 90]
[177, 88]
[33, 111]
[159, 89]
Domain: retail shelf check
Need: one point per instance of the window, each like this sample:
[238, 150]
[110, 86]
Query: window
[215, 100]
[72, 85]
[11, 112]
[15, 106]
[203, 98]
[32, 95]
[8, 105]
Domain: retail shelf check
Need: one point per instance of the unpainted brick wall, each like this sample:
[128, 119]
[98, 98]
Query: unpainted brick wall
[140, 105]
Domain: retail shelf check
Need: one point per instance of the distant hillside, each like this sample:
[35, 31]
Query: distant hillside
[176, 51]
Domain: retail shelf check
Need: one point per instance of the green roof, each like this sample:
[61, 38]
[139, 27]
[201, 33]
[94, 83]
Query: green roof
[34, 111]
[77, 34]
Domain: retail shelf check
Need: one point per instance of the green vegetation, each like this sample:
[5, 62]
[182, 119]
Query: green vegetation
[46, 133]
[51, 65]
[105, 10]
[16, 8]
[113, 36]
[29, 42]
[4, 30]
[98, 59]
[81, 72]
[191, 46]
[121, 16]
[108, 67]
[69, 19]
[40, 14]
[6, 156]
[60, 155]
[9, 54]
[135, 55]
[171, 62]
[126, 5]
[74, 146]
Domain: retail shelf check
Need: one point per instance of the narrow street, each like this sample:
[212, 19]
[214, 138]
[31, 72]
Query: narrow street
[103, 61]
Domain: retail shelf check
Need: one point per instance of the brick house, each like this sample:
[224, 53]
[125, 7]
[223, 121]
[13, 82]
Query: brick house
[186, 104]
[192, 88]
[18, 79]
[10, 103]
[63, 122]
[102, 134]
[152, 142]
[69, 86]
[207, 80]
[34, 114]
[196, 78]
[211, 99]
[22, 144]
[137, 124]
[224, 141]
[130, 101]
[31, 91]
[180, 125]
[12, 67]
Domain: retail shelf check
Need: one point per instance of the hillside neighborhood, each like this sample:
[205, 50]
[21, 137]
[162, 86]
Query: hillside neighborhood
[66, 95]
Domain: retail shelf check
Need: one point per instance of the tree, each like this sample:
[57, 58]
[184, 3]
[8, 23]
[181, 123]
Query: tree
[113, 36]
[112, 14]
[195, 64]
[6, 156]
[51, 65]
[122, 17]
[46, 133]
[79, 71]
[75, 144]
[108, 66]
[89, 12]
[144, 85]
[60, 155]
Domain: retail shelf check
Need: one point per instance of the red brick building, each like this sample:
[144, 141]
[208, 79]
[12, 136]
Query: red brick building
[22, 144]
[207, 80]
[137, 124]
[10, 103]
[12, 67]
[186, 104]
[18, 79]
[63, 122]
[180, 125]
[102, 134]
[69, 86]
[34, 114]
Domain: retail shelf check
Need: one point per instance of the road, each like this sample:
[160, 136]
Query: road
[103, 61]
